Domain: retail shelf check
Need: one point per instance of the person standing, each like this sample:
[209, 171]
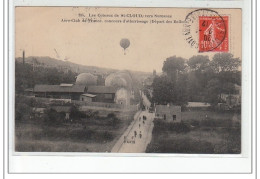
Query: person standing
[124, 139]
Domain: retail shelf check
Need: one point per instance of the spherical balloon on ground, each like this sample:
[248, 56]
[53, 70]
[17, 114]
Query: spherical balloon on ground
[87, 79]
[119, 79]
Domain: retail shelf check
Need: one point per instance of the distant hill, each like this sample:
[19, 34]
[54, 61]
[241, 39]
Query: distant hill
[49, 62]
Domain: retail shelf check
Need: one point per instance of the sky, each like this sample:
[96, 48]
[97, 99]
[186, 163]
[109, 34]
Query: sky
[40, 30]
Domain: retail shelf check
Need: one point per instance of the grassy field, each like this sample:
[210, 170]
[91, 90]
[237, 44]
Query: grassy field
[218, 133]
[88, 135]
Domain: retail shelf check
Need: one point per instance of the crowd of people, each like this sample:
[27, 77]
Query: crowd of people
[137, 134]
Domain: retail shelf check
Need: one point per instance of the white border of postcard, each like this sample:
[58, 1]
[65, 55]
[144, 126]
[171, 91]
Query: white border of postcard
[27, 162]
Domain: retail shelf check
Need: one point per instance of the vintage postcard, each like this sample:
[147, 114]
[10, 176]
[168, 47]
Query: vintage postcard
[128, 80]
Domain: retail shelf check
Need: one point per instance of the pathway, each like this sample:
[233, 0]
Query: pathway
[128, 142]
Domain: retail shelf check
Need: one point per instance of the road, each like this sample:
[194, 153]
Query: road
[146, 101]
[128, 142]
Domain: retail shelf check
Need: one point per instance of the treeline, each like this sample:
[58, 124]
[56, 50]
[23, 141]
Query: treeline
[197, 79]
[26, 76]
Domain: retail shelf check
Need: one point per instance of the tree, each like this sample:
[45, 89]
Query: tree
[199, 63]
[23, 107]
[199, 74]
[230, 77]
[223, 62]
[163, 90]
[68, 77]
[172, 86]
[223, 77]
[173, 66]
[181, 89]
[27, 77]
[166, 90]
[214, 89]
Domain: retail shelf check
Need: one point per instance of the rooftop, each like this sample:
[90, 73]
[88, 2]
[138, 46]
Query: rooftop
[89, 95]
[197, 104]
[167, 108]
[65, 84]
[59, 88]
[29, 90]
[101, 89]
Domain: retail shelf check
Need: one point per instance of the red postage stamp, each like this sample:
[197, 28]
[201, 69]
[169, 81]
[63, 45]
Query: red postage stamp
[213, 34]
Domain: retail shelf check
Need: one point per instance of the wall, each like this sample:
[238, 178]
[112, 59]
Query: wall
[169, 114]
[97, 104]
[60, 95]
[85, 98]
[123, 96]
[105, 98]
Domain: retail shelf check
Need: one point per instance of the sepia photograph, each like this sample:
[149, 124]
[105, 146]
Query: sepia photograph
[128, 80]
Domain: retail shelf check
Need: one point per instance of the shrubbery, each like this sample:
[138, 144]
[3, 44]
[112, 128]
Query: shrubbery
[53, 117]
[22, 111]
[174, 127]
[180, 146]
[177, 138]
[75, 114]
[114, 121]
[111, 115]
[24, 105]
[179, 127]
[75, 134]
[92, 115]
[209, 122]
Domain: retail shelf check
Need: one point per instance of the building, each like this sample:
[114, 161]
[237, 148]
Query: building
[123, 97]
[29, 92]
[168, 113]
[104, 94]
[88, 97]
[198, 105]
[67, 92]
[62, 91]
[232, 100]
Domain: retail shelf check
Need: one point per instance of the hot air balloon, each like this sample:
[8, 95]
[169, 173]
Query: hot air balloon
[124, 43]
